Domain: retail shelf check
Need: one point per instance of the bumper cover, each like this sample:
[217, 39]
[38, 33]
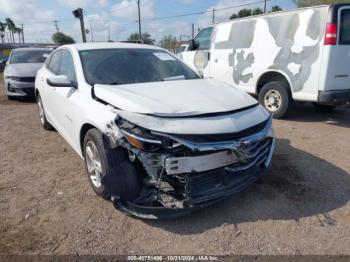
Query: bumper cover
[335, 97]
[16, 88]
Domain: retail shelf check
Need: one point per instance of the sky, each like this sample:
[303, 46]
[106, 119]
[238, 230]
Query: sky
[37, 16]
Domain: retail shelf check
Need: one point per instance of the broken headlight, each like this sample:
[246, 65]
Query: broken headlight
[142, 138]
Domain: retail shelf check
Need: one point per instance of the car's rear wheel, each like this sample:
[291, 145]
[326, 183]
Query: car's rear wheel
[101, 160]
[42, 117]
[274, 96]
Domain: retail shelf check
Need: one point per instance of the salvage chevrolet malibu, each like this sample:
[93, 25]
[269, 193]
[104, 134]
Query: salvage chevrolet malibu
[156, 138]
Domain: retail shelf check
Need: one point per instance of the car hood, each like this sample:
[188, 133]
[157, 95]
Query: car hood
[175, 98]
[27, 69]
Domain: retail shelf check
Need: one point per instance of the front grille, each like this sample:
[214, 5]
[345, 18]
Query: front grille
[217, 183]
[26, 79]
[224, 137]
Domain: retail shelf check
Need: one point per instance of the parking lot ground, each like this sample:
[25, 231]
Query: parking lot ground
[301, 207]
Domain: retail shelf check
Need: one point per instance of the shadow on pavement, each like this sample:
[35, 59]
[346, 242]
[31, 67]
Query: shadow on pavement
[298, 185]
[305, 112]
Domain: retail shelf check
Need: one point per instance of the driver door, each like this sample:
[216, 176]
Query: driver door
[198, 58]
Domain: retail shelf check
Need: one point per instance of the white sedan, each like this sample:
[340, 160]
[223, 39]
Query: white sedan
[156, 138]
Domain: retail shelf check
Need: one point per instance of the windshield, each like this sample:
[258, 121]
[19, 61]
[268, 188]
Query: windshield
[131, 66]
[29, 56]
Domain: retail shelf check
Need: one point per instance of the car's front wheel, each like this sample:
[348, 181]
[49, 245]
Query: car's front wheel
[104, 163]
[45, 124]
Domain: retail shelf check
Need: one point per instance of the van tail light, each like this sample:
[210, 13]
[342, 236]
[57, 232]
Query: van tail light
[331, 34]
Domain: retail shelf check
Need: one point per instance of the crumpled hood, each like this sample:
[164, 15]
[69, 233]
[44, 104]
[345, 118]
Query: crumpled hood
[175, 98]
[26, 69]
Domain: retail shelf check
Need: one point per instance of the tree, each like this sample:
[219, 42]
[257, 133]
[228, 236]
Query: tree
[62, 39]
[168, 42]
[258, 11]
[19, 32]
[276, 8]
[11, 27]
[243, 13]
[146, 38]
[2, 31]
[233, 16]
[304, 3]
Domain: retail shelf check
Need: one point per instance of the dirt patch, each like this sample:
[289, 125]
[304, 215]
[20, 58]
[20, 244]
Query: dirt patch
[300, 207]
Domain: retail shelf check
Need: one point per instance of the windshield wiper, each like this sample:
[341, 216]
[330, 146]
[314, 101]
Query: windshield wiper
[174, 78]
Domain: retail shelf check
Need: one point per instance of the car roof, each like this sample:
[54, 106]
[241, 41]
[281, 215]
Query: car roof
[108, 45]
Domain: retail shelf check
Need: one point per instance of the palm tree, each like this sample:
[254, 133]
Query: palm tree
[19, 32]
[11, 27]
[2, 31]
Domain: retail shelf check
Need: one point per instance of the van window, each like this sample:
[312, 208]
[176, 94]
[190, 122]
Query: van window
[203, 39]
[345, 27]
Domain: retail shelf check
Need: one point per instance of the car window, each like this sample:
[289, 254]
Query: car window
[132, 65]
[203, 39]
[67, 66]
[29, 56]
[55, 61]
[345, 27]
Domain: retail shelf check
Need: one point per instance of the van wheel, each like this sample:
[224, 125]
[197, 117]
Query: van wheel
[100, 160]
[324, 107]
[274, 96]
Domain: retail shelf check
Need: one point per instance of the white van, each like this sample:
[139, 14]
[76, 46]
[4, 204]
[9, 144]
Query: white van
[301, 55]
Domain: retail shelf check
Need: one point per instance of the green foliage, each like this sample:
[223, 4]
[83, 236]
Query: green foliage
[62, 39]
[256, 11]
[146, 37]
[304, 3]
[276, 8]
[168, 42]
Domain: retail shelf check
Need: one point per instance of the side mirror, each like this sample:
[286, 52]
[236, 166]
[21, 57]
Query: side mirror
[192, 45]
[60, 81]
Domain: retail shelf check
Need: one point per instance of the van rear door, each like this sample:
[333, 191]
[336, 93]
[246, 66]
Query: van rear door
[336, 62]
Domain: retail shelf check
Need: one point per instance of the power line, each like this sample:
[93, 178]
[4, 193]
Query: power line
[203, 12]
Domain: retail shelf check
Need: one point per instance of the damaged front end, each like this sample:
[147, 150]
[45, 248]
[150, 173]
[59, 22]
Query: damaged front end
[180, 173]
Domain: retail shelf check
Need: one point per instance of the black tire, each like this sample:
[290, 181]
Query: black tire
[285, 98]
[11, 98]
[111, 164]
[325, 108]
[43, 120]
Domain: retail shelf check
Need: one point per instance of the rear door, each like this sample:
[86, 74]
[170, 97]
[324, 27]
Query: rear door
[50, 69]
[337, 70]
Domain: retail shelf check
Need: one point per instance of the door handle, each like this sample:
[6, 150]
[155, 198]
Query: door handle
[216, 60]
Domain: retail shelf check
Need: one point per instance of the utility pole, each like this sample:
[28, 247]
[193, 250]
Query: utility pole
[92, 36]
[213, 17]
[109, 31]
[22, 33]
[56, 25]
[140, 34]
[265, 7]
[78, 13]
